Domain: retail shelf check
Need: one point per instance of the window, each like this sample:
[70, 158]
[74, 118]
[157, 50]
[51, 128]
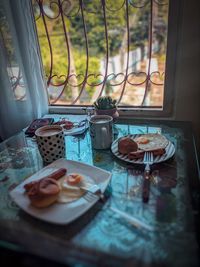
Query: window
[106, 47]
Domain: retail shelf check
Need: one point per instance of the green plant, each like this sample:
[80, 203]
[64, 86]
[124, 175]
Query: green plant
[105, 102]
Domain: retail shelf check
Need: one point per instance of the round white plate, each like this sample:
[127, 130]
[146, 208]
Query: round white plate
[170, 150]
[76, 130]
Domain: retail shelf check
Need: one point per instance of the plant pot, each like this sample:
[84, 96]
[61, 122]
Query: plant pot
[110, 112]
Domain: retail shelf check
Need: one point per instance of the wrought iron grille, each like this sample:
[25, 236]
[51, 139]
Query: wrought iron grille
[103, 47]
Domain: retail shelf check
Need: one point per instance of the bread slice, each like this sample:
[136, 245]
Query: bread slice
[44, 193]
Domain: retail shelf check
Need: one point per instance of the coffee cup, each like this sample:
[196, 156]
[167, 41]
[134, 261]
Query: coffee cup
[51, 142]
[101, 131]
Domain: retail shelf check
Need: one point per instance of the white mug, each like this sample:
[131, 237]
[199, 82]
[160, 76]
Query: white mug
[101, 131]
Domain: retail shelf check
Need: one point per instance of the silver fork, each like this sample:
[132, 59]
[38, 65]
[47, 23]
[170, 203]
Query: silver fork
[90, 197]
[93, 197]
[93, 192]
[148, 160]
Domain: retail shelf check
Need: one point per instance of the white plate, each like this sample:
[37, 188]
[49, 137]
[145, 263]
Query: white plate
[170, 150]
[61, 213]
[76, 130]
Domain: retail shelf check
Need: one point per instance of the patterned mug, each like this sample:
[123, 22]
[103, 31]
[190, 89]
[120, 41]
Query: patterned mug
[51, 142]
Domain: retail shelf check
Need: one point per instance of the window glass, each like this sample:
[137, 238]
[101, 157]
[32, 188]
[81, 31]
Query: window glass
[95, 48]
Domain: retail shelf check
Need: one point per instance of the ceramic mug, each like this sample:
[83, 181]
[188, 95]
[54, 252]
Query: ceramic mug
[51, 142]
[101, 131]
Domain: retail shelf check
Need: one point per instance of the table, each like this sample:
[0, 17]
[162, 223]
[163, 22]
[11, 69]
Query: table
[100, 237]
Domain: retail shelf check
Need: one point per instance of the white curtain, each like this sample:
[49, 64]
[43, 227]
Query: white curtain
[22, 88]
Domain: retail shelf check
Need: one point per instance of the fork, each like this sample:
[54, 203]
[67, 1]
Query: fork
[93, 192]
[148, 160]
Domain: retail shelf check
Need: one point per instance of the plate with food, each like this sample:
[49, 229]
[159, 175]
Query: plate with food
[55, 194]
[73, 128]
[131, 148]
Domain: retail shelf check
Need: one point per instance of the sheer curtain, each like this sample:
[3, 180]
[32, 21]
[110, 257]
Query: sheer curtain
[22, 88]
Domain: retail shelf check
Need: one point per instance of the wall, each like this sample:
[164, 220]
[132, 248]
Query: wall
[187, 81]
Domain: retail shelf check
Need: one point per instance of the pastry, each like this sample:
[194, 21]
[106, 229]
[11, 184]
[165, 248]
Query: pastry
[44, 193]
[127, 145]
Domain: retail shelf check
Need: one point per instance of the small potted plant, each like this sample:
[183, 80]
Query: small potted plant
[105, 105]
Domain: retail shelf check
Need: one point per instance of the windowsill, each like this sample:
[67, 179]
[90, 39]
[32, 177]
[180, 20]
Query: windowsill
[156, 113]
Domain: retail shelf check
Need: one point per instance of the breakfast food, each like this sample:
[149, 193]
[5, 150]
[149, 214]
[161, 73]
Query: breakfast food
[142, 140]
[67, 125]
[127, 145]
[71, 192]
[140, 153]
[74, 178]
[135, 148]
[150, 142]
[136, 155]
[56, 187]
[54, 175]
[68, 193]
[44, 193]
[159, 151]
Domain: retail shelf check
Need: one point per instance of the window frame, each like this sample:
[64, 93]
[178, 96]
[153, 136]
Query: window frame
[169, 83]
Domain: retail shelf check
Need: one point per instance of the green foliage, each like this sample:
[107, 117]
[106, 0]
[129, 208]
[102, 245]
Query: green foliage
[96, 37]
[93, 67]
[105, 102]
[139, 32]
[95, 27]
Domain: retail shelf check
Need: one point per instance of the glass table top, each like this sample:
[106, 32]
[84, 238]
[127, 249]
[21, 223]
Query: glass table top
[170, 210]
